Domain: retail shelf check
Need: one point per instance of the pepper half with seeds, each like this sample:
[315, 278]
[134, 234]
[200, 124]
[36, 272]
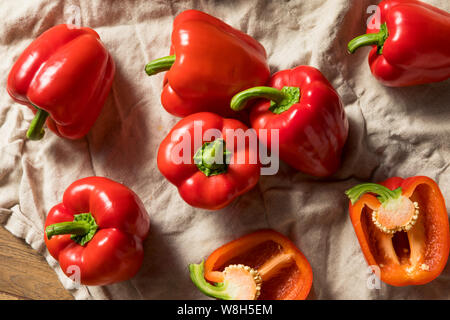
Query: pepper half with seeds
[263, 265]
[402, 227]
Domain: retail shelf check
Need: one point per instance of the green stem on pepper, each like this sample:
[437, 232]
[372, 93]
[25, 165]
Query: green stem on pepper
[212, 158]
[369, 39]
[82, 229]
[36, 131]
[281, 100]
[384, 195]
[160, 65]
[219, 290]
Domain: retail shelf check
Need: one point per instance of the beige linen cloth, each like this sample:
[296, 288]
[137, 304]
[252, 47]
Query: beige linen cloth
[393, 132]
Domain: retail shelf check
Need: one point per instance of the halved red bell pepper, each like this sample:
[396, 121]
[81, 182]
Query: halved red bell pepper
[209, 62]
[66, 73]
[263, 265]
[402, 227]
[215, 170]
[306, 110]
[411, 45]
[98, 228]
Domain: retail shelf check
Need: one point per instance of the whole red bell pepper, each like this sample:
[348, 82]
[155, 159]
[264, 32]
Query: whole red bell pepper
[209, 62]
[411, 45]
[303, 106]
[98, 228]
[209, 171]
[262, 265]
[66, 73]
[402, 228]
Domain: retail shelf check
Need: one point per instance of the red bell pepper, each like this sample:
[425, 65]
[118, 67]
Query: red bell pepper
[215, 171]
[308, 113]
[411, 45]
[209, 62]
[99, 228]
[262, 265]
[65, 73]
[402, 228]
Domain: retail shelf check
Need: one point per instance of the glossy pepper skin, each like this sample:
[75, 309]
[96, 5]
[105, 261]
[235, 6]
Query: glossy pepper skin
[215, 187]
[411, 45]
[285, 272]
[412, 257]
[309, 115]
[64, 76]
[108, 247]
[211, 61]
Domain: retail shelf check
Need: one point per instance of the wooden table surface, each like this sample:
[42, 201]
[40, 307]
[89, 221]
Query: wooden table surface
[24, 274]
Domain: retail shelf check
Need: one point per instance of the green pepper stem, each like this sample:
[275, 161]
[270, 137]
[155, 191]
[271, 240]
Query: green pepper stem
[36, 131]
[160, 65]
[368, 39]
[218, 291]
[281, 100]
[239, 101]
[82, 229]
[212, 158]
[384, 194]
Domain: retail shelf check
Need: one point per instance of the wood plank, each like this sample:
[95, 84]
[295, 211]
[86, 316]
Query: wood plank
[24, 274]
[7, 296]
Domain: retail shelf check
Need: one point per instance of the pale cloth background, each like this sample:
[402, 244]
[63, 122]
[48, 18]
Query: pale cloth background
[393, 132]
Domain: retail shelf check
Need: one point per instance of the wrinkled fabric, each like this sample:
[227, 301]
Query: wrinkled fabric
[393, 132]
